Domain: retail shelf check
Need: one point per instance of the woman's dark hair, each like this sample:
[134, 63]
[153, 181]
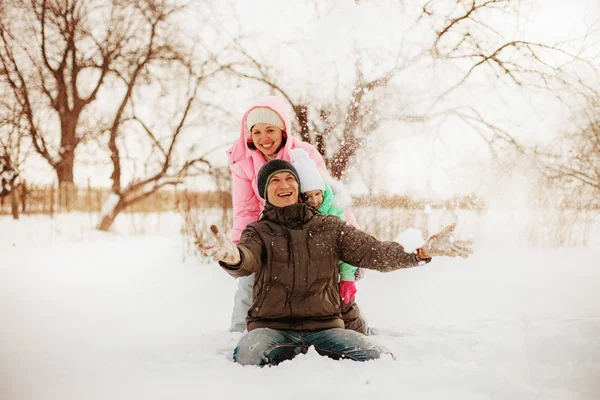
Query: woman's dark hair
[251, 145]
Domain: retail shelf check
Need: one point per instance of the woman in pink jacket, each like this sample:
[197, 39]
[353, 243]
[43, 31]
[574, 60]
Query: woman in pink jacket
[264, 136]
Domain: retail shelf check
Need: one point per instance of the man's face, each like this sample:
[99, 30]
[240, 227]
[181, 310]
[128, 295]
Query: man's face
[314, 198]
[282, 189]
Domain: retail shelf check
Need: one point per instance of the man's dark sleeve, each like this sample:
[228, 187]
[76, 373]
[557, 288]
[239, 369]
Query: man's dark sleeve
[251, 249]
[362, 250]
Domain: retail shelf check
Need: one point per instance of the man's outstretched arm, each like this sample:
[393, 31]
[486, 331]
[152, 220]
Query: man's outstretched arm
[238, 260]
[363, 250]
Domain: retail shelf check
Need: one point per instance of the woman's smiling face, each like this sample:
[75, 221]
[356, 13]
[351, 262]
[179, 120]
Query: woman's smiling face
[267, 139]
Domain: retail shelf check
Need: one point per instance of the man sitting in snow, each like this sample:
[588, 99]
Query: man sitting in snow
[294, 253]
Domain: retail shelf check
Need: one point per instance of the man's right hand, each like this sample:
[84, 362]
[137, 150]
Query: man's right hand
[223, 250]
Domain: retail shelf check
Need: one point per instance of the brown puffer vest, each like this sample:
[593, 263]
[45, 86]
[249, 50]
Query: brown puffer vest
[294, 254]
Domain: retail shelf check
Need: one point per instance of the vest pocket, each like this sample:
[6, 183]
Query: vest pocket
[272, 303]
[275, 284]
[333, 293]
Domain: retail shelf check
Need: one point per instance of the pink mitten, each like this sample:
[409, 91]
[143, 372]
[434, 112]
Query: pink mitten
[347, 291]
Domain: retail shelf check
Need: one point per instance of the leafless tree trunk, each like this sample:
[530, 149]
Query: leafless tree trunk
[59, 62]
[44, 61]
[14, 203]
[168, 164]
[13, 152]
[9, 185]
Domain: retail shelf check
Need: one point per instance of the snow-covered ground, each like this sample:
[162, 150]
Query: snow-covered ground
[88, 315]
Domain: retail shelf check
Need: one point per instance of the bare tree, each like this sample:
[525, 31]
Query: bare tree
[58, 56]
[14, 150]
[180, 73]
[573, 159]
[470, 34]
[195, 218]
[337, 125]
[465, 37]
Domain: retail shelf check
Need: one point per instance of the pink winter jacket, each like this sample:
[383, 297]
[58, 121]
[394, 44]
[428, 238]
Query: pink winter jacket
[245, 164]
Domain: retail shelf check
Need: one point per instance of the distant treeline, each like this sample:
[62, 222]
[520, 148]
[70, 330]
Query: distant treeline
[470, 202]
[45, 199]
[50, 199]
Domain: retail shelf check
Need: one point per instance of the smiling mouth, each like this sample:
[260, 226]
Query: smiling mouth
[286, 194]
[267, 146]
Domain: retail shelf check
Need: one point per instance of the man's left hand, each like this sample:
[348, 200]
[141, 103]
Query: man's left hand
[443, 244]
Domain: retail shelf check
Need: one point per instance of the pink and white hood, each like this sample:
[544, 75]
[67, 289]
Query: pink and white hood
[245, 164]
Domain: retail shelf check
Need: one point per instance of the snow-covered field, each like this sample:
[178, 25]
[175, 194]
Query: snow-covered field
[88, 315]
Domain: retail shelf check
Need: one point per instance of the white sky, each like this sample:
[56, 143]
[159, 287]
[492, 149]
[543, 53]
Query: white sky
[433, 161]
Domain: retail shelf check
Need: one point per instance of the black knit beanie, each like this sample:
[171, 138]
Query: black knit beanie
[271, 168]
